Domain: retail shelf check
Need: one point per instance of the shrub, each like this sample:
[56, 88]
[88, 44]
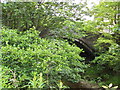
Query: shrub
[105, 67]
[28, 57]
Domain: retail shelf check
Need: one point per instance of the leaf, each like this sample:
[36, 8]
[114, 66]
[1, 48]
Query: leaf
[115, 87]
[104, 86]
[110, 85]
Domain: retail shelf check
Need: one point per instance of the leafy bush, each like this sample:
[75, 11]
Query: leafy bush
[109, 55]
[26, 58]
[105, 68]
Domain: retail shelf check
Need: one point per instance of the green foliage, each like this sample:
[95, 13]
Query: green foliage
[105, 68]
[71, 30]
[109, 54]
[37, 81]
[106, 11]
[48, 15]
[31, 62]
[36, 62]
[107, 45]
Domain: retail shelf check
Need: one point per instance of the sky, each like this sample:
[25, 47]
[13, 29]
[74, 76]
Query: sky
[76, 1]
[89, 1]
[89, 4]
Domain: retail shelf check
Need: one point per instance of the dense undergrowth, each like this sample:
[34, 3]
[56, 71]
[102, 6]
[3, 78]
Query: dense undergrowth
[29, 61]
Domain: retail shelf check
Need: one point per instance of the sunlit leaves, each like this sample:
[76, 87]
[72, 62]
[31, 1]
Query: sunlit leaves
[47, 15]
[28, 53]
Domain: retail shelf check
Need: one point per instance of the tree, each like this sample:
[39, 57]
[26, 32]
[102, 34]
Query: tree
[107, 45]
[58, 17]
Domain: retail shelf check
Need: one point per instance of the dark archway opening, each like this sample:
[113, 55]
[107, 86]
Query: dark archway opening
[88, 52]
